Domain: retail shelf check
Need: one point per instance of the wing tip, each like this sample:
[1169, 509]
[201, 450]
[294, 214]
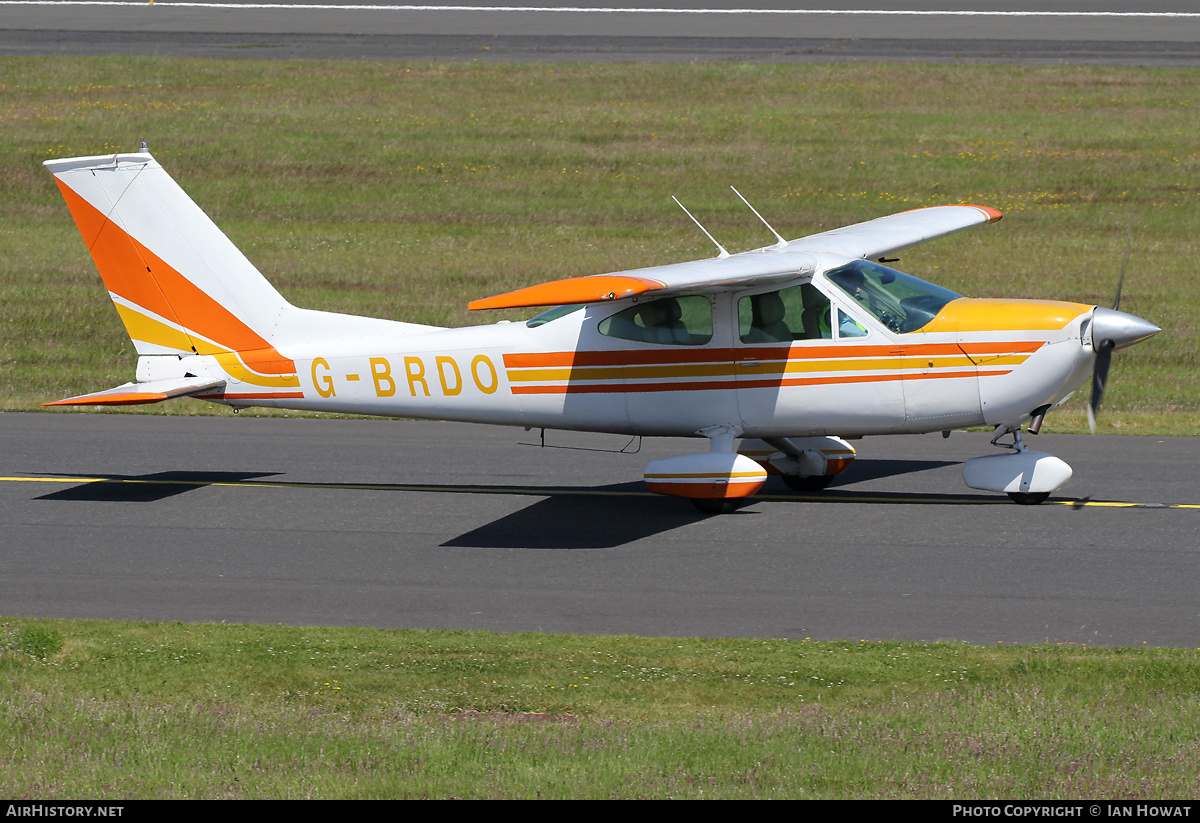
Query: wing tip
[991, 214]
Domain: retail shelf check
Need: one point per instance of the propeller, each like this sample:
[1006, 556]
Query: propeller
[1099, 377]
[1113, 329]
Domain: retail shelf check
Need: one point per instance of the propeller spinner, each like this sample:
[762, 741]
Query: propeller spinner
[1112, 330]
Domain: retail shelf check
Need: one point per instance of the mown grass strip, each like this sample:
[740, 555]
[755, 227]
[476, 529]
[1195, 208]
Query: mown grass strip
[102, 709]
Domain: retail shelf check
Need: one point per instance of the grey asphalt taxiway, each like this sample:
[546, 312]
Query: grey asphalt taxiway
[441, 525]
[435, 525]
[1114, 32]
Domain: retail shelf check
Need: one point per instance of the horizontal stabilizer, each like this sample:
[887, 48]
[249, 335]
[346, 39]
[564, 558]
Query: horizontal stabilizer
[136, 394]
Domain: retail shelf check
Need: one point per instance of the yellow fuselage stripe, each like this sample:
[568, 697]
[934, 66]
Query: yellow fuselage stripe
[751, 368]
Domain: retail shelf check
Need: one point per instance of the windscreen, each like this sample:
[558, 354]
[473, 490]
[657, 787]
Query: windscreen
[899, 301]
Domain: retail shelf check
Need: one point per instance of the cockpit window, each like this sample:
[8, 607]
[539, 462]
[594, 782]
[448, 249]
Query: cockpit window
[679, 321]
[900, 301]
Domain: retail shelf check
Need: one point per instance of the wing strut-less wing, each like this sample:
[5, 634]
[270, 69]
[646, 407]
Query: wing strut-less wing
[869, 240]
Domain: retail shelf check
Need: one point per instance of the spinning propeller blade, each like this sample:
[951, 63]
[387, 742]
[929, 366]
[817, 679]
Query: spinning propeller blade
[1113, 329]
[1104, 352]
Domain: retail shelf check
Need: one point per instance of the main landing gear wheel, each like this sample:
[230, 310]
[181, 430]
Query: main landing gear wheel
[1028, 498]
[807, 483]
[717, 505]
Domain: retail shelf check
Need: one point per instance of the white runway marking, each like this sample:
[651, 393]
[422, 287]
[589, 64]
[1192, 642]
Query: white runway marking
[1141, 15]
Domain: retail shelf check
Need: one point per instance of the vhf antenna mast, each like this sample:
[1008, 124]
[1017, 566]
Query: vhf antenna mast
[778, 236]
[723, 253]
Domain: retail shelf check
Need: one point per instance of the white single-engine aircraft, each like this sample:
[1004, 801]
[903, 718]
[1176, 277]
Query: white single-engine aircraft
[791, 349]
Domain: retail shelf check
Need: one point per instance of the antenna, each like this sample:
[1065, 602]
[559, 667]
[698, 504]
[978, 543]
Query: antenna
[723, 253]
[778, 236]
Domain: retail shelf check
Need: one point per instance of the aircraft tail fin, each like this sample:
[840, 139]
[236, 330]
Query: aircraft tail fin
[182, 288]
[179, 284]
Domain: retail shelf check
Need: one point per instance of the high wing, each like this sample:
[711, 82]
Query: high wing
[887, 235]
[872, 239]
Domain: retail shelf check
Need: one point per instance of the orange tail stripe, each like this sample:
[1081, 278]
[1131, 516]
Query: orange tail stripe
[118, 257]
[133, 272]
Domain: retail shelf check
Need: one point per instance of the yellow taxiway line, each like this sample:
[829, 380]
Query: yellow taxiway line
[826, 497]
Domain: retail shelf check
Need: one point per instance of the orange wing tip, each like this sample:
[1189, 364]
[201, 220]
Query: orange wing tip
[594, 289]
[992, 214]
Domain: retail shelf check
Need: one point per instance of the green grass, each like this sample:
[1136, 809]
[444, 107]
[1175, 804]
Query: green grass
[131, 710]
[403, 190]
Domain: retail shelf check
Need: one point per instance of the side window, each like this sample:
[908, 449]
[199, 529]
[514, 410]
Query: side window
[849, 327]
[797, 313]
[552, 314]
[677, 321]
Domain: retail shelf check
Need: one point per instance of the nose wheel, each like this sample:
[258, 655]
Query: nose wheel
[1028, 477]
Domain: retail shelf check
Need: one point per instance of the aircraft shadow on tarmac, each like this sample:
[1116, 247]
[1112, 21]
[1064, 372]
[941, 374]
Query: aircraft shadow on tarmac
[594, 517]
[147, 488]
[598, 520]
[868, 469]
[555, 522]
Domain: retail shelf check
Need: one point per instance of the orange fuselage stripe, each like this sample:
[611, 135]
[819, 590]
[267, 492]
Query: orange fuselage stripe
[643, 357]
[282, 395]
[767, 383]
[763, 367]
